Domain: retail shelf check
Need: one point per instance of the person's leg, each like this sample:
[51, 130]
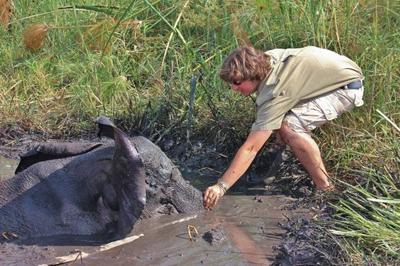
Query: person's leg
[309, 155]
[305, 117]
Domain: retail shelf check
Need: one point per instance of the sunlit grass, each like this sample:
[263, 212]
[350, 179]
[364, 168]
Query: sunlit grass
[368, 216]
[142, 78]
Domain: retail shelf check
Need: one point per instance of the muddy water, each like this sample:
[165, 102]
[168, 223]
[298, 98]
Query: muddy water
[248, 224]
[247, 221]
[250, 227]
[7, 167]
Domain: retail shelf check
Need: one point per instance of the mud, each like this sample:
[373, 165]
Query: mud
[256, 223]
[215, 236]
[7, 167]
[251, 231]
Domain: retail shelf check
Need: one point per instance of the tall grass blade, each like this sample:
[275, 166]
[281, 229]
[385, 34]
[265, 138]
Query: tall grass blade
[116, 26]
[108, 10]
[388, 119]
[166, 21]
[391, 201]
[172, 34]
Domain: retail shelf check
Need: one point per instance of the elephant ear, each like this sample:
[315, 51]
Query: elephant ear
[128, 176]
[50, 151]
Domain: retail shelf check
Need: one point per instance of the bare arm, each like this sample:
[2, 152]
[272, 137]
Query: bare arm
[241, 162]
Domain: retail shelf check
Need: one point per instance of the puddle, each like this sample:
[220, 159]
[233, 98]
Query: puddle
[249, 224]
[7, 167]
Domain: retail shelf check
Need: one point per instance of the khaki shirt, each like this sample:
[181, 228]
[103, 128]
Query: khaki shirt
[298, 75]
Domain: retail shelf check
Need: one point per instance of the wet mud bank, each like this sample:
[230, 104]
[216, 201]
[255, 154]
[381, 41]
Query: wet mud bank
[275, 174]
[263, 220]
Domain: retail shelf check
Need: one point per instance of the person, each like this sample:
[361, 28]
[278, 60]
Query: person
[298, 89]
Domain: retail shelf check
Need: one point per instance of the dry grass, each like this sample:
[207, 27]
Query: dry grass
[35, 35]
[241, 35]
[5, 13]
[96, 36]
[131, 23]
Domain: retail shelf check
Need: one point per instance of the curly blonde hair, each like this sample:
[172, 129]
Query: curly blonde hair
[245, 63]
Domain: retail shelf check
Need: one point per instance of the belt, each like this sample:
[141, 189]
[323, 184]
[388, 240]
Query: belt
[353, 85]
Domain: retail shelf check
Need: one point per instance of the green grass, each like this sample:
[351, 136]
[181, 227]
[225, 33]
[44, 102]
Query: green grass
[144, 80]
[368, 217]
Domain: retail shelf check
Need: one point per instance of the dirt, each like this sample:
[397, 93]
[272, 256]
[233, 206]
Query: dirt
[265, 219]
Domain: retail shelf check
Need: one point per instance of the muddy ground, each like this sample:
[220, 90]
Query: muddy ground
[267, 218]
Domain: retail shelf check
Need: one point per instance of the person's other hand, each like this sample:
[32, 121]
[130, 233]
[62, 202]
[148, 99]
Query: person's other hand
[212, 195]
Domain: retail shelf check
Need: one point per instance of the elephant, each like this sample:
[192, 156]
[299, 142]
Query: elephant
[93, 189]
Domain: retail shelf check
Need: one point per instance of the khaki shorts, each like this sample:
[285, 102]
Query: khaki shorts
[309, 115]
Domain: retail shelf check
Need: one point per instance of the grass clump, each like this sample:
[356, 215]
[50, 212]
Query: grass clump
[367, 218]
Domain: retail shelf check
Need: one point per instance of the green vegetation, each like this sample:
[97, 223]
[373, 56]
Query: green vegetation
[157, 71]
[370, 213]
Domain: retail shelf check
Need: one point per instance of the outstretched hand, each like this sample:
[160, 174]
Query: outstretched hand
[212, 195]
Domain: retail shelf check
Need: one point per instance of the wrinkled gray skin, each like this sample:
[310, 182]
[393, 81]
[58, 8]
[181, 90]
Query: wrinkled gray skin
[93, 189]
